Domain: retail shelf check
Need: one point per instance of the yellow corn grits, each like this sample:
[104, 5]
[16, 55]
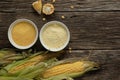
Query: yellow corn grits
[23, 33]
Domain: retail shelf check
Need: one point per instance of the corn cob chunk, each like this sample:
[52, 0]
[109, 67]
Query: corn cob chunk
[48, 9]
[37, 5]
[68, 68]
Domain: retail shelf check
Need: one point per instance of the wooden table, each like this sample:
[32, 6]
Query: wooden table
[94, 27]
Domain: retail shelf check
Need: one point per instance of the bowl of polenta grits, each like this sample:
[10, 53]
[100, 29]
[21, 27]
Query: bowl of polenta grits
[22, 33]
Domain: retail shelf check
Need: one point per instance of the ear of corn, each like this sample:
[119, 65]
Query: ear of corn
[63, 69]
[71, 69]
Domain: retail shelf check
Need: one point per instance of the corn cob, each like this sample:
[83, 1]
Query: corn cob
[69, 69]
[64, 68]
[19, 66]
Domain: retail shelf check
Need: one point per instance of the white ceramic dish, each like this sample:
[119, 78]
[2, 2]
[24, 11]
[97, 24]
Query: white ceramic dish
[55, 49]
[10, 36]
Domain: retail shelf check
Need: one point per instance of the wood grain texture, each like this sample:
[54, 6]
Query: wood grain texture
[61, 5]
[94, 26]
[89, 30]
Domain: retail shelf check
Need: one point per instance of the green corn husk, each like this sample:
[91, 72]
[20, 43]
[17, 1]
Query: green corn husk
[33, 71]
[85, 67]
[60, 77]
[34, 59]
[13, 78]
[4, 53]
[7, 56]
[38, 69]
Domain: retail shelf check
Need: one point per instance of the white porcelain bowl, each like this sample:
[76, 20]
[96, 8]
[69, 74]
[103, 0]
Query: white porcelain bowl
[10, 36]
[54, 49]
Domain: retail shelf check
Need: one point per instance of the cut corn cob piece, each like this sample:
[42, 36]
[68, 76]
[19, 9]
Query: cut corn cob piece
[48, 9]
[37, 5]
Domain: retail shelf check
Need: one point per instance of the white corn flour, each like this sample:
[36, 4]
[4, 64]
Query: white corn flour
[54, 36]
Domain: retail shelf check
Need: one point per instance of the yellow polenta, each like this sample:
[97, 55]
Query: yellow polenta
[23, 33]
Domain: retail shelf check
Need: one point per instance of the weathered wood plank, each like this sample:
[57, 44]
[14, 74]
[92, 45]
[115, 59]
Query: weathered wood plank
[108, 59]
[61, 5]
[89, 30]
[94, 27]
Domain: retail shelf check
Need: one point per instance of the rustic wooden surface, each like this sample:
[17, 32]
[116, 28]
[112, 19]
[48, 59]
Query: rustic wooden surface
[94, 27]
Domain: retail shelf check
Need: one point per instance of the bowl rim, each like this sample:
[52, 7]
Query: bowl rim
[53, 49]
[10, 35]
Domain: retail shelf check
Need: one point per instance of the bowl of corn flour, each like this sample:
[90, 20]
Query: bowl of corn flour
[22, 33]
[54, 36]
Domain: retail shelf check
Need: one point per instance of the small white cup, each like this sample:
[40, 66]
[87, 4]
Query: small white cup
[10, 35]
[54, 49]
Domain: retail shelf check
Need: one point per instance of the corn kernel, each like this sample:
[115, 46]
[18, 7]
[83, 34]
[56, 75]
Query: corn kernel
[63, 17]
[71, 7]
[43, 19]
